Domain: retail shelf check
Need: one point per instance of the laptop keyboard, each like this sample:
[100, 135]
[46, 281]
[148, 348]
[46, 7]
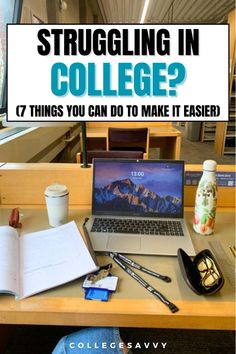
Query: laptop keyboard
[135, 226]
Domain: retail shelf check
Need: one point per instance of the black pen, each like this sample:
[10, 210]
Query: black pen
[88, 242]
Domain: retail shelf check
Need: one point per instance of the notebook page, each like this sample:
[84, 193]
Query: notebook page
[52, 257]
[9, 248]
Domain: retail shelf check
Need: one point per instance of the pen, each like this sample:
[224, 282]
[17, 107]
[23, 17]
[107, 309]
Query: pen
[88, 242]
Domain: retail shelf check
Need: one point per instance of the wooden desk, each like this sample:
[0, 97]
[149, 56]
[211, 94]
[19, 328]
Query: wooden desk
[131, 305]
[167, 138]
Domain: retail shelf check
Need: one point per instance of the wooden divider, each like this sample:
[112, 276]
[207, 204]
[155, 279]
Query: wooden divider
[127, 124]
[24, 184]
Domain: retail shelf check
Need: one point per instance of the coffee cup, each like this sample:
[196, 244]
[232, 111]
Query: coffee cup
[57, 201]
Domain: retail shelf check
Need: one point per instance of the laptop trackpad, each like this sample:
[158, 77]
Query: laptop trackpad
[124, 243]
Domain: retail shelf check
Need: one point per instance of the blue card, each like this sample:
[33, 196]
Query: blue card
[97, 294]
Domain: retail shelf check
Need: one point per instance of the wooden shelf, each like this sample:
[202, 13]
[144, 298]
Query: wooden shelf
[208, 131]
[230, 136]
[229, 151]
[225, 131]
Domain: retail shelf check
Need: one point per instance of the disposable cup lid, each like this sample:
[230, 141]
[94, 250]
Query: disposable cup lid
[56, 190]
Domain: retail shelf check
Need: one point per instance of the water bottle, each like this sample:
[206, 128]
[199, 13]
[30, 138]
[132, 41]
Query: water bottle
[206, 199]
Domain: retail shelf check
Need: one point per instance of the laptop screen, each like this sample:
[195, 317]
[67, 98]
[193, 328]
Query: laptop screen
[138, 187]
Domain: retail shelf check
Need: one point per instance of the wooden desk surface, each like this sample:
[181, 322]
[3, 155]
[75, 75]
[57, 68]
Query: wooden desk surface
[131, 305]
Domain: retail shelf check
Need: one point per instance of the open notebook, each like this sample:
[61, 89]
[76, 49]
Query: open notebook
[42, 260]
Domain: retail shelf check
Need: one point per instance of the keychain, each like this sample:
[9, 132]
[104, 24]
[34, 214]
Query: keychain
[103, 272]
[98, 285]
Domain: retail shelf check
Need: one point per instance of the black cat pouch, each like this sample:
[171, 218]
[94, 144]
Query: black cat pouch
[202, 273]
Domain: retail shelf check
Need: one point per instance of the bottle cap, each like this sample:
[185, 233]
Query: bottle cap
[209, 165]
[56, 190]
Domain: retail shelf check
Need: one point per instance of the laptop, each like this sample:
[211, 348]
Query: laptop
[137, 207]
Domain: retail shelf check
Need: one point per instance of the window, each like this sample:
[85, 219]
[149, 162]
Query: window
[10, 12]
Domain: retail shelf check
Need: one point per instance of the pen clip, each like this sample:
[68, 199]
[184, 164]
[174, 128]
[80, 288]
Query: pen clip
[85, 221]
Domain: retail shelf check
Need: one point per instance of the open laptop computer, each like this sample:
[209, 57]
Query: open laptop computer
[137, 207]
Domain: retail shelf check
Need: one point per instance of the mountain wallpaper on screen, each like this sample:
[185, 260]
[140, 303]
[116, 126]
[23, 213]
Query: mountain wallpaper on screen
[124, 195]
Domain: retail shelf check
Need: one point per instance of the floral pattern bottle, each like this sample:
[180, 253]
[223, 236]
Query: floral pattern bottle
[206, 199]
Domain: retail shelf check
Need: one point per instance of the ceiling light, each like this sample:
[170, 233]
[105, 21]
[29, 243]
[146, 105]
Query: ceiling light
[62, 5]
[145, 8]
